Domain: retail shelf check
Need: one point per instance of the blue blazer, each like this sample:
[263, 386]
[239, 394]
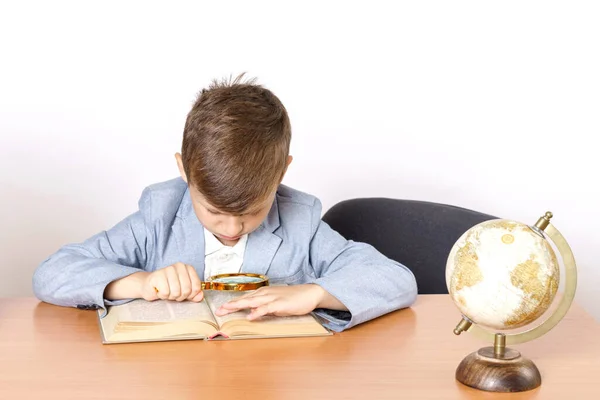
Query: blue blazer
[292, 245]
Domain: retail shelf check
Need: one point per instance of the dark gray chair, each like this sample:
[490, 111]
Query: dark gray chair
[417, 234]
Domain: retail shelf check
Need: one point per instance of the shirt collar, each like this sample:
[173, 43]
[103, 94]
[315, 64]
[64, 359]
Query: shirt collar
[212, 244]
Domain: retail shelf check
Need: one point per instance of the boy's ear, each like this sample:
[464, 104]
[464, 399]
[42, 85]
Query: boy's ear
[288, 162]
[180, 166]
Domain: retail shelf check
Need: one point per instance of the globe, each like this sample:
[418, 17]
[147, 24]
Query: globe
[502, 274]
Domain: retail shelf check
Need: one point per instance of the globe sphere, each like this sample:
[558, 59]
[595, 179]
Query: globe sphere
[502, 274]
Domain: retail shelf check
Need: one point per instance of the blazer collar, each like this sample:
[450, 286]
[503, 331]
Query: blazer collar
[263, 244]
[189, 234]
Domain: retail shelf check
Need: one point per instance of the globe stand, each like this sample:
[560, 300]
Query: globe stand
[501, 369]
[498, 369]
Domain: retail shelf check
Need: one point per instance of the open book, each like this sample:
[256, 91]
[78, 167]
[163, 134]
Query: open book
[161, 320]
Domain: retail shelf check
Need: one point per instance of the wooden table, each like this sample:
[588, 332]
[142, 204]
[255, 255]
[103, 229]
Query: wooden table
[50, 352]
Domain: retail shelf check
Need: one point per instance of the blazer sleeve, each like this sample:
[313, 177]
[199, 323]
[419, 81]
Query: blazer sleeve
[364, 280]
[77, 274]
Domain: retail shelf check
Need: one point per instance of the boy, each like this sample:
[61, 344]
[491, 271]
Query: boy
[230, 213]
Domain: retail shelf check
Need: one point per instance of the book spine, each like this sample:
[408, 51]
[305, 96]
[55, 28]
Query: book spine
[217, 335]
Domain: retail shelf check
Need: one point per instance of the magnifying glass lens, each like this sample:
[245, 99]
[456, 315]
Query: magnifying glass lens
[237, 279]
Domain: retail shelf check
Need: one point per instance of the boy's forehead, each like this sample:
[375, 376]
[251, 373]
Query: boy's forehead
[251, 208]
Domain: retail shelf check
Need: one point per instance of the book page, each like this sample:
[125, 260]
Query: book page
[141, 320]
[164, 311]
[236, 324]
[216, 298]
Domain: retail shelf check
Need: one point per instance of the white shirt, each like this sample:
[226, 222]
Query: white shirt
[221, 259]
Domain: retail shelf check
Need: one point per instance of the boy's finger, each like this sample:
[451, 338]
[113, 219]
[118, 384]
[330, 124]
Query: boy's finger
[198, 298]
[185, 284]
[262, 291]
[161, 287]
[261, 311]
[174, 287]
[219, 312]
[231, 307]
[249, 302]
[254, 293]
[192, 271]
[195, 281]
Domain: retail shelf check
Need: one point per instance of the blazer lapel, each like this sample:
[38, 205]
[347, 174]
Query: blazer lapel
[262, 244]
[189, 234]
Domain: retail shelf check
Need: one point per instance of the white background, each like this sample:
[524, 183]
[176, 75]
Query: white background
[489, 106]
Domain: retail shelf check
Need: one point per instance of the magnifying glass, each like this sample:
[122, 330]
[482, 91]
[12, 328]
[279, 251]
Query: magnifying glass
[238, 281]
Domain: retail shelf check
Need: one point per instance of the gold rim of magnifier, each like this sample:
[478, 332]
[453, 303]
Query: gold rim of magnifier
[211, 285]
[565, 302]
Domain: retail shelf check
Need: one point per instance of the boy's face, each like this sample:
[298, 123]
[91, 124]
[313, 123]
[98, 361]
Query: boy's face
[228, 228]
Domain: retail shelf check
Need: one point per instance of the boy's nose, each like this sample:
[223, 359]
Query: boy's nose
[234, 226]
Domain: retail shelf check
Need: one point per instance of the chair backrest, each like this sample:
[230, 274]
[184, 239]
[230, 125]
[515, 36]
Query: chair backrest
[417, 234]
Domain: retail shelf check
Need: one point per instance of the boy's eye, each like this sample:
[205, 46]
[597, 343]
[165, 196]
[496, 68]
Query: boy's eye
[213, 211]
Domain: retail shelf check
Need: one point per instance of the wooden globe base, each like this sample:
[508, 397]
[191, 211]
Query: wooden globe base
[509, 372]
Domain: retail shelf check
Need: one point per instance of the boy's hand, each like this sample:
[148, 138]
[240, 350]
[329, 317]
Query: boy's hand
[176, 282]
[282, 301]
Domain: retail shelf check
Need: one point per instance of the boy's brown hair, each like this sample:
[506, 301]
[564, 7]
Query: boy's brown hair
[236, 142]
